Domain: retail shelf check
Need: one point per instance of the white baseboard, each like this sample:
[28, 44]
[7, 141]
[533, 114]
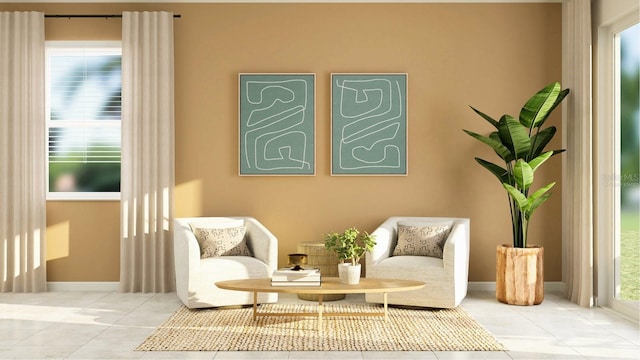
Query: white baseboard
[558, 286]
[481, 286]
[61, 286]
[113, 286]
[491, 286]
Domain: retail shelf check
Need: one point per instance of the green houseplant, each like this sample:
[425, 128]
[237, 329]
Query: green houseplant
[520, 143]
[349, 245]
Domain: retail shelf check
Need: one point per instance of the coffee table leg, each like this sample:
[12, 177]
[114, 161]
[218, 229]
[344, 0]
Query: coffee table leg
[320, 309]
[255, 305]
[386, 313]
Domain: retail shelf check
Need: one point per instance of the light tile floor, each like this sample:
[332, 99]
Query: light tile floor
[108, 325]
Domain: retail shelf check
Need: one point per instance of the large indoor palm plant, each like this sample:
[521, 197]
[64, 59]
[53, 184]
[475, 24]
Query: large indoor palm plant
[520, 143]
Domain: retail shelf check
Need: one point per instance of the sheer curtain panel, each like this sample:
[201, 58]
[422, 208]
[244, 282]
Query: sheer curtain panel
[577, 197]
[22, 153]
[146, 251]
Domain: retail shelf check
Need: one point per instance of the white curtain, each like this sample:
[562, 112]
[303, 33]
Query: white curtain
[146, 254]
[22, 153]
[577, 201]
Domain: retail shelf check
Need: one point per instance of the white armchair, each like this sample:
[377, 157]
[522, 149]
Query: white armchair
[196, 277]
[446, 278]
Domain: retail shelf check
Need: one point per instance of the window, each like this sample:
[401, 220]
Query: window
[83, 100]
[627, 193]
[618, 147]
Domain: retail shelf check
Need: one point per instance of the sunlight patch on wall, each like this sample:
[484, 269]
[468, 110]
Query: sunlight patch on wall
[188, 199]
[58, 240]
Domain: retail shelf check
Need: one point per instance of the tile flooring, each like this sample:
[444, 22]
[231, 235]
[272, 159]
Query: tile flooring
[108, 325]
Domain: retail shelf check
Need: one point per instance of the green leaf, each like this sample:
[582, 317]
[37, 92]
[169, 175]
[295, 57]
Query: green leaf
[495, 136]
[498, 171]
[537, 198]
[540, 140]
[535, 204]
[514, 136]
[485, 116]
[535, 163]
[516, 195]
[523, 174]
[539, 106]
[500, 149]
[542, 190]
[561, 97]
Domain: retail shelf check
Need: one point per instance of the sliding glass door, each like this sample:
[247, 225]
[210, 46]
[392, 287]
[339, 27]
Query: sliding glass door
[627, 193]
[617, 138]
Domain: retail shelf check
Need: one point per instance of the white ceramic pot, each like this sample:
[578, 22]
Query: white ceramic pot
[349, 274]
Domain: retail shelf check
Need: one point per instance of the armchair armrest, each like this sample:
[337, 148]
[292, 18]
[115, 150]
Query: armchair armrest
[455, 254]
[186, 252]
[263, 244]
[385, 237]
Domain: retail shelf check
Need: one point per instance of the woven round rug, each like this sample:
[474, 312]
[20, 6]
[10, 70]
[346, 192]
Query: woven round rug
[235, 330]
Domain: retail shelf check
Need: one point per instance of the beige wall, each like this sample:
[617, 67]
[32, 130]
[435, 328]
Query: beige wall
[491, 56]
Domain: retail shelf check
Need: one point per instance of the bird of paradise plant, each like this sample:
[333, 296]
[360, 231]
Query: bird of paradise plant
[521, 143]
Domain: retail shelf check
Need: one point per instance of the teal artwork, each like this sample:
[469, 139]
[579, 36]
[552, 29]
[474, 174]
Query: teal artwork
[277, 124]
[369, 124]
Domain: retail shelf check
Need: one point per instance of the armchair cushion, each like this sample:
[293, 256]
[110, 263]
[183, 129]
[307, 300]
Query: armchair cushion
[423, 240]
[216, 242]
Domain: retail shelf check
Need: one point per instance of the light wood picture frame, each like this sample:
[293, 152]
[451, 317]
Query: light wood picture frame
[369, 124]
[277, 123]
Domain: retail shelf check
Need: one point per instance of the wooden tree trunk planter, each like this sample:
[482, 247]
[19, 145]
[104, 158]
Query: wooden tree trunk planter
[520, 275]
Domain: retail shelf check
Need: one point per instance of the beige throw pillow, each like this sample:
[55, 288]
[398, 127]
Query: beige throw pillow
[423, 240]
[216, 242]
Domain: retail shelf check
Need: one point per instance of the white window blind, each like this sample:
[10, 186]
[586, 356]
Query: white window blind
[84, 85]
[84, 143]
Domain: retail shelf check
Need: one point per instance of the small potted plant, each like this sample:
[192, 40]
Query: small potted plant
[350, 245]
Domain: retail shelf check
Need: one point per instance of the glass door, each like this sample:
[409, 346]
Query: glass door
[617, 138]
[627, 162]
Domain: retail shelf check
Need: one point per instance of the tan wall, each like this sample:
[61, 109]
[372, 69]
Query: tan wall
[491, 56]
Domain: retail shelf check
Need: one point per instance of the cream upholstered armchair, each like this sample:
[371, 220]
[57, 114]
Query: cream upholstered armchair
[446, 277]
[196, 276]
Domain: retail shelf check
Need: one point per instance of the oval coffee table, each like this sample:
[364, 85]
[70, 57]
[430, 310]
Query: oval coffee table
[329, 285]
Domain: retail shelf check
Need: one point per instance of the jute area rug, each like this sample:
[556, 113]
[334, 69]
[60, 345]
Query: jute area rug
[235, 330]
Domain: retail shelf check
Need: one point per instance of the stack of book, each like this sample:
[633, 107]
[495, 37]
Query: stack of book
[289, 277]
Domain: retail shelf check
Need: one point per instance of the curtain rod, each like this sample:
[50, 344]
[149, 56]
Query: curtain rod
[69, 16]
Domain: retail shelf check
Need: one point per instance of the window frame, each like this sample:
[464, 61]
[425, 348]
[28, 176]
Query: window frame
[114, 47]
[608, 163]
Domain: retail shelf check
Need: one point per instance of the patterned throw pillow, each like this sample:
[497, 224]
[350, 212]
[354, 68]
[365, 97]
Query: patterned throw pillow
[424, 240]
[216, 242]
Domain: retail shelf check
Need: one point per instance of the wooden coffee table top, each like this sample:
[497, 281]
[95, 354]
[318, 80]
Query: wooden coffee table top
[329, 285]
